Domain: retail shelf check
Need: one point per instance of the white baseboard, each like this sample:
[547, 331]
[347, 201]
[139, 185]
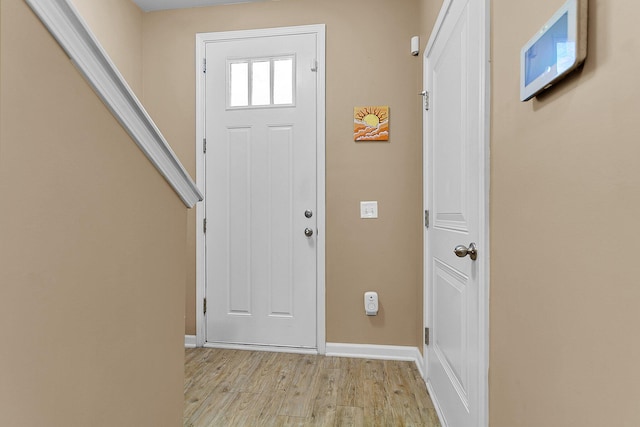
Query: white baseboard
[189, 341]
[370, 351]
[361, 351]
[420, 363]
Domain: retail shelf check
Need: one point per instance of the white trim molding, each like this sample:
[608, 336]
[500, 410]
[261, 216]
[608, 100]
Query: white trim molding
[74, 36]
[372, 351]
[189, 341]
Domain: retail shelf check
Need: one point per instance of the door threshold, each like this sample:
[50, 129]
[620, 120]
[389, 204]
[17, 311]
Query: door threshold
[271, 348]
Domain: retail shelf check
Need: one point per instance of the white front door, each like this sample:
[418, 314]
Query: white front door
[260, 128]
[455, 197]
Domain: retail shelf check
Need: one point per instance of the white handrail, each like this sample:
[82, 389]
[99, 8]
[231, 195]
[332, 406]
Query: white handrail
[74, 36]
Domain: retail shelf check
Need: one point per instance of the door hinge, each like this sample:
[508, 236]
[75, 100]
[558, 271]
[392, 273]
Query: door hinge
[425, 97]
[205, 306]
[204, 225]
[204, 145]
[426, 335]
[204, 65]
[426, 218]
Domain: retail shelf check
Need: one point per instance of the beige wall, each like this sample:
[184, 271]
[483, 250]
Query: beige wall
[429, 10]
[92, 260]
[563, 173]
[368, 62]
[565, 198]
[78, 264]
[118, 26]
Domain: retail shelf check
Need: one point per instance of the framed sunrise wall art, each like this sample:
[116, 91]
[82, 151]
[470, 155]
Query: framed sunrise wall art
[371, 123]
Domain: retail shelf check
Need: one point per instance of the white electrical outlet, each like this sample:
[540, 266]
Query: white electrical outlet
[369, 210]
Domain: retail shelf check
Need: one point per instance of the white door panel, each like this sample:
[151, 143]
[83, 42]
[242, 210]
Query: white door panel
[260, 180]
[454, 187]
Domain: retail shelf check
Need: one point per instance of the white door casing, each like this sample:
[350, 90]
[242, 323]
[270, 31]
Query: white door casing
[456, 194]
[264, 168]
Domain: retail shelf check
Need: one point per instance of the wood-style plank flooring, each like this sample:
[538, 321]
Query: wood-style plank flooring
[247, 388]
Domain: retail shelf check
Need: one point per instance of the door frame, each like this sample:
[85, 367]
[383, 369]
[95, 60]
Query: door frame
[201, 40]
[484, 205]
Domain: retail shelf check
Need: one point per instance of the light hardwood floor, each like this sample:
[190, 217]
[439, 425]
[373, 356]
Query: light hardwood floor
[247, 388]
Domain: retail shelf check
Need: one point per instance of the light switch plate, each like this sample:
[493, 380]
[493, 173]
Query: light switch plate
[369, 210]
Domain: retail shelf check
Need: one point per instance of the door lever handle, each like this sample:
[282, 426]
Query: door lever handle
[462, 251]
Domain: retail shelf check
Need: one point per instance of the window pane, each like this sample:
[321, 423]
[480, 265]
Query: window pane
[261, 89]
[239, 85]
[283, 81]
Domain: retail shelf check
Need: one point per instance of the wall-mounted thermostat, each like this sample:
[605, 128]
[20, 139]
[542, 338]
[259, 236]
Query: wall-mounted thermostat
[557, 49]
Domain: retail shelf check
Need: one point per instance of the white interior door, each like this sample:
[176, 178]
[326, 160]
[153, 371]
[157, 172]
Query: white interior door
[455, 192]
[260, 128]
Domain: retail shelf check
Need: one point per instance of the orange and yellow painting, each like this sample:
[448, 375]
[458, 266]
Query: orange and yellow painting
[371, 123]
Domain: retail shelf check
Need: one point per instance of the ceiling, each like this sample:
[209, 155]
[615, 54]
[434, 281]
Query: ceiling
[149, 5]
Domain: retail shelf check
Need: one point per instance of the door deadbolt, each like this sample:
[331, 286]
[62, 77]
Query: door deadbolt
[308, 213]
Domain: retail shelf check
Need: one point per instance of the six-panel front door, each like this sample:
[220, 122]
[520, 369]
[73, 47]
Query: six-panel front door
[261, 191]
